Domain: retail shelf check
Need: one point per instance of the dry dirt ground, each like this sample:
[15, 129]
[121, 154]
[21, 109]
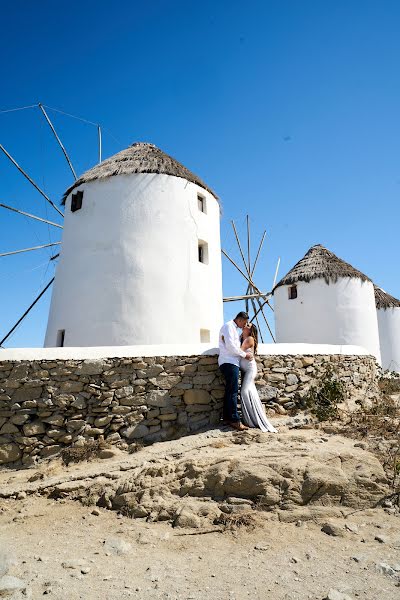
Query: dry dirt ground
[60, 548]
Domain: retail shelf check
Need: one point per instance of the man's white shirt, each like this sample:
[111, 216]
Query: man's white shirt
[229, 345]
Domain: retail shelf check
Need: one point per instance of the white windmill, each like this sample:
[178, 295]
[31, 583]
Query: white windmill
[140, 260]
[325, 300]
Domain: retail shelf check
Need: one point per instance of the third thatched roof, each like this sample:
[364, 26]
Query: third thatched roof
[383, 300]
[320, 263]
[141, 157]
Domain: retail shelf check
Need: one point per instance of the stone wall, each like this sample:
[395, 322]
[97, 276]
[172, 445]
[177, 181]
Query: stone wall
[46, 405]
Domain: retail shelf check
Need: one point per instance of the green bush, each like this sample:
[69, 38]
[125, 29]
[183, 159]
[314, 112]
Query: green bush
[324, 397]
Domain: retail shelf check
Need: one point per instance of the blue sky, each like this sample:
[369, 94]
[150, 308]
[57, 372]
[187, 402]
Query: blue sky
[288, 109]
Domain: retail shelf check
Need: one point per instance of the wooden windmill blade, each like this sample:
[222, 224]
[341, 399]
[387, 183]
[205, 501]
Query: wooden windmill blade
[40, 109]
[253, 296]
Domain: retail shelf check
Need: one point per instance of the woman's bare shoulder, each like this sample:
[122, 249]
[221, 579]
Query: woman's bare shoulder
[248, 343]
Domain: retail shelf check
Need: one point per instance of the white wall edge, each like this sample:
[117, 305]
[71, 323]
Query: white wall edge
[98, 352]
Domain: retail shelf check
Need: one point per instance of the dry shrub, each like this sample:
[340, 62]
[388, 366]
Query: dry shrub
[242, 438]
[89, 450]
[135, 447]
[220, 444]
[234, 521]
[379, 423]
[324, 397]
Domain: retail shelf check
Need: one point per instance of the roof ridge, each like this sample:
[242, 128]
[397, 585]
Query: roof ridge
[383, 300]
[320, 263]
[139, 157]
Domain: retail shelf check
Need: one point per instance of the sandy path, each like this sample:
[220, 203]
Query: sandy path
[277, 560]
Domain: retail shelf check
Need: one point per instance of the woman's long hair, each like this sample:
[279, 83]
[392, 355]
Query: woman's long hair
[254, 335]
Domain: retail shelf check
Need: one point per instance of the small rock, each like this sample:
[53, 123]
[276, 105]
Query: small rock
[299, 523]
[336, 595]
[117, 546]
[381, 539]
[187, 519]
[9, 453]
[262, 547]
[75, 563]
[385, 569]
[95, 512]
[332, 529]
[357, 558]
[361, 445]
[5, 563]
[107, 453]
[352, 527]
[85, 570]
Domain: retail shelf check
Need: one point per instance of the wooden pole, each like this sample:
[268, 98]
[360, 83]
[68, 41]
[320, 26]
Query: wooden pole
[100, 143]
[21, 212]
[248, 296]
[266, 322]
[29, 179]
[26, 312]
[58, 139]
[276, 272]
[248, 259]
[29, 249]
[235, 265]
[251, 283]
[256, 318]
[258, 253]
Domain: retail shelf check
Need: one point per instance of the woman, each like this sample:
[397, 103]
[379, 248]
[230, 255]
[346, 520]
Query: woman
[252, 408]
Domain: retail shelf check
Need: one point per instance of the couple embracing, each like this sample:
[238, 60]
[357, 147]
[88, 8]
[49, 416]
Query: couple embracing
[238, 353]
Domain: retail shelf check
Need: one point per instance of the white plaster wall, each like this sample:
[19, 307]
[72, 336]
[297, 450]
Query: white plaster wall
[339, 313]
[389, 335]
[99, 352]
[129, 270]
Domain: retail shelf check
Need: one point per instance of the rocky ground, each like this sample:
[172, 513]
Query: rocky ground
[298, 515]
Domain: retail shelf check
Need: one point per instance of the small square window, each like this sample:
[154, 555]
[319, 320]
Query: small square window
[204, 336]
[60, 338]
[203, 252]
[76, 201]
[201, 203]
[292, 292]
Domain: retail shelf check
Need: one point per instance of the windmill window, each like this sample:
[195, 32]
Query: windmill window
[60, 338]
[76, 201]
[204, 336]
[201, 203]
[203, 252]
[293, 292]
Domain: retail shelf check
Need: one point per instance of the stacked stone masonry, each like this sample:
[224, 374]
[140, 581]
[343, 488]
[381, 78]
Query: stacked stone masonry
[47, 405]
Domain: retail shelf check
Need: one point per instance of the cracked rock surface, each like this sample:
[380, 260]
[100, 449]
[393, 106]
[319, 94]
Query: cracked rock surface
[217, 472]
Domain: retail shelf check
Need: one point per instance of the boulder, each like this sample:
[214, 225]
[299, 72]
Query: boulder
[10, 585]
[91, 367]
[267, 392]
[134, 431]
[196, 397]
[158, 398]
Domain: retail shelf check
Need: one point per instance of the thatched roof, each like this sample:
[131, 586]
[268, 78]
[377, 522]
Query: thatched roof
[141, 157]
[383, 300]
[320, 263]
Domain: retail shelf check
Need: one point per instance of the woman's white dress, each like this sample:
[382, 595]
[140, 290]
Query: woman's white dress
[252, 409]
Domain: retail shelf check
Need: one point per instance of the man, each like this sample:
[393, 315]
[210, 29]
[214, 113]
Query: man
[230, 354]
